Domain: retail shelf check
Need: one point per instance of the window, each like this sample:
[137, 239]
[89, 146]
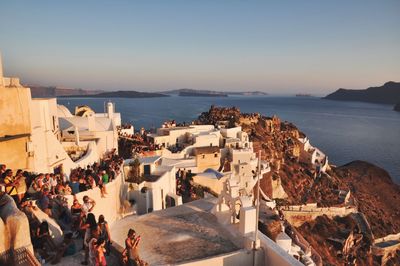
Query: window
[204, 156]
[215, 155]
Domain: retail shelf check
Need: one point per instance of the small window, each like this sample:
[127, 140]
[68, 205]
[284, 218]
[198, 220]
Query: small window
[204, 156]
[215, 155]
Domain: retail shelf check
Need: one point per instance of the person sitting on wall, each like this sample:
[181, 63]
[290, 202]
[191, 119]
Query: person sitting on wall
[74, 184]
[101, 185]
[111, 172]
[33, 189]
[66, 189]
[88, 205]
[46, 182]
[82, 184]
[104, 179]
[39, 181]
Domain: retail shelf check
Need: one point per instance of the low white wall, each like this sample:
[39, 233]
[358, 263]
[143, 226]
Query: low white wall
[274, 255]
[55, 230]
[237, 258]
[108, 206]
[90, 157]
[14, 227]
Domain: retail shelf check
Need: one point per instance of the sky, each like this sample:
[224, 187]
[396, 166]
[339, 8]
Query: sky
[280, 47]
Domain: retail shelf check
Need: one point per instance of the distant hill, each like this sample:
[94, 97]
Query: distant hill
[389, 93]
[247, 93]
[193, 92]
[201, 93]
[52, 91]
[397, 107]
[121, 94]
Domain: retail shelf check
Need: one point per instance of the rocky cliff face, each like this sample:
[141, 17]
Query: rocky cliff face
[294, 181]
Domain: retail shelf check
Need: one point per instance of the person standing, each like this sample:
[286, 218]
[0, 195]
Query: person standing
[131, 247]
[99, 250]
[21, 187]
[105, 233]
[11, 185]
[53, 183]
[88, 205]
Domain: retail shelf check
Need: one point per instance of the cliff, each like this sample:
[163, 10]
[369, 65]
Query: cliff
[389, 93]
[293, 181]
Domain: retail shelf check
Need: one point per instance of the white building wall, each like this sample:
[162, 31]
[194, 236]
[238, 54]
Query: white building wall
[274, 255]
[207, 140]
[231, 132]
[242, 155]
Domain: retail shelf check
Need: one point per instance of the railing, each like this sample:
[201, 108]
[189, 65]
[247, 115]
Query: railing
[21, 256]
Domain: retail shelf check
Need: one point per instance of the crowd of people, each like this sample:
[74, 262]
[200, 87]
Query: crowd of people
[47, 191]
[23, 184]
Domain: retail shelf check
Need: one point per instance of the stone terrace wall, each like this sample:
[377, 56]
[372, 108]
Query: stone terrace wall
[299, 214]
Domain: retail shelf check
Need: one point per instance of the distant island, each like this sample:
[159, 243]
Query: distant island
[303, 95]
[121, 94]
[54, 91]
[210, 93]
[389, 93]
[201, 93]
[397, 107]
[247, 93]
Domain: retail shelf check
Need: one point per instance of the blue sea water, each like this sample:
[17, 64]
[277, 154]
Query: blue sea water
[345, 131]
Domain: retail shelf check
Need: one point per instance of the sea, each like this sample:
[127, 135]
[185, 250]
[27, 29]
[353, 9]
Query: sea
[345, 131]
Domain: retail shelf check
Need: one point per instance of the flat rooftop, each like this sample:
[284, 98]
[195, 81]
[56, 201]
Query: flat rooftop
[176, 235]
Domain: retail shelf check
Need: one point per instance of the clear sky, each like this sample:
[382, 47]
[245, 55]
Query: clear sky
[278, 46]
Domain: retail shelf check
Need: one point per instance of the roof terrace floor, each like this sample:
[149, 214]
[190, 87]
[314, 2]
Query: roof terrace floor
[179, 234]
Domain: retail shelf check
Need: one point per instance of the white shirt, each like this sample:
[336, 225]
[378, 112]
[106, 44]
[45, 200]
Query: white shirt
[86, 206]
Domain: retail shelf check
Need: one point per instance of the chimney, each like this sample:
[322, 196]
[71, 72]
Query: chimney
[91, 123]
[77, 142]
[110, 110]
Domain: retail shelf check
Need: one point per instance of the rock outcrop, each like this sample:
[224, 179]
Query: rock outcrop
[294, 180]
